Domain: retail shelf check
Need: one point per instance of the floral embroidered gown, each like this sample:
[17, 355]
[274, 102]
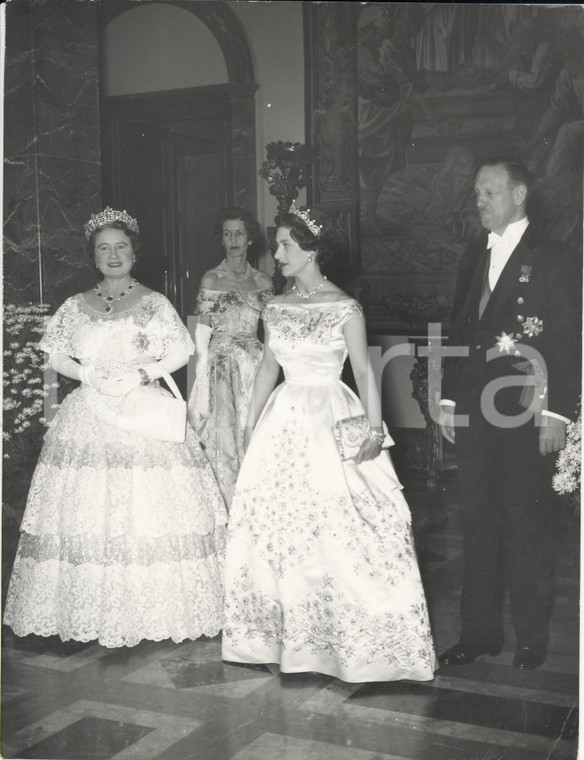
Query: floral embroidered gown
[321, 572]
[122, 538]
[219, 401]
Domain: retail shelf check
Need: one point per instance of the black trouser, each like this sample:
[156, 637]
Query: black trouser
[508, 533]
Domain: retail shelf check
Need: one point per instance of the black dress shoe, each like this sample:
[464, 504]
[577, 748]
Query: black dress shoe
[528, 658]
[464, 654]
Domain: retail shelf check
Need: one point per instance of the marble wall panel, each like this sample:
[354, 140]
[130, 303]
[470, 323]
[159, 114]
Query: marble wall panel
[69, 194]
[52, 179]
[67, 81]
[21, 240]
[244, 155]
[20, 229]
[18, 91]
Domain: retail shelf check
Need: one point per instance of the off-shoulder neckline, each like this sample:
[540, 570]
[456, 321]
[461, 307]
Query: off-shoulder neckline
[314, 303]
[215, 290]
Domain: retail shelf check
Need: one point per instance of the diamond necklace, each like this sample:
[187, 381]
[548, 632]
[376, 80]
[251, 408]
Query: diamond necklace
[108, 300]
[237, 275]
[309, 293]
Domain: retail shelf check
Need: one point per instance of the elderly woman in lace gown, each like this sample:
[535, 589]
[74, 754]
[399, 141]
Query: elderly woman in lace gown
[228, 350]
[123, 537]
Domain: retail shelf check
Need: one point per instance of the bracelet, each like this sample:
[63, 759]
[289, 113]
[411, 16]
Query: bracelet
[144, 376]
[378, 436]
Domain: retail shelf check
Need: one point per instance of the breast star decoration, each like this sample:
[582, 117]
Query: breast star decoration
[506, 343]
[532, 326]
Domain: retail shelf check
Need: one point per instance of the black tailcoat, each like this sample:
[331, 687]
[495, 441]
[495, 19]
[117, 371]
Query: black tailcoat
[503, 480]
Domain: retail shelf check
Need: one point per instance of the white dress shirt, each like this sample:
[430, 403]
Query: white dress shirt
[502, 246]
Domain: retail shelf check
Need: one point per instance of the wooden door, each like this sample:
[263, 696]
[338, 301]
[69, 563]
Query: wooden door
[166, 161]
[141, 187]
[201, 190]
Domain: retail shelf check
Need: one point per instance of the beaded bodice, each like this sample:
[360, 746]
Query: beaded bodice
[233, 312]
[307, 339]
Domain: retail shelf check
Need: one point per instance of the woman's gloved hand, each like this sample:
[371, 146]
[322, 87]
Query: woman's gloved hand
[90, 376]
[120, 385]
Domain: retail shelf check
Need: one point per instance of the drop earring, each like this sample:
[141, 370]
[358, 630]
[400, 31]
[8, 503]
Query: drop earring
[310, 258]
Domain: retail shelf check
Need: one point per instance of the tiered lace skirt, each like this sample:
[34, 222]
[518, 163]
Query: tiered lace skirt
[122, 538]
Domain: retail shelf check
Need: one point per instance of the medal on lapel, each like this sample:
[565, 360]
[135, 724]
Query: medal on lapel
[525, 273]
[532, 326]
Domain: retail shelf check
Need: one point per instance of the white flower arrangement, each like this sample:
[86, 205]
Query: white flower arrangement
[24, 372]
[569, 463]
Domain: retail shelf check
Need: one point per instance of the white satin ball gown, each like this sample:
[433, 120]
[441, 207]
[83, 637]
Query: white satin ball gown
[321, 571]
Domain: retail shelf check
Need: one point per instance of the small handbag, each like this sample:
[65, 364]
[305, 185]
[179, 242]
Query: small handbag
[155, 416]
[350, 433]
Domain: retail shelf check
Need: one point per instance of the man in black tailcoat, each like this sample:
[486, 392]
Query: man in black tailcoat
[517, 316]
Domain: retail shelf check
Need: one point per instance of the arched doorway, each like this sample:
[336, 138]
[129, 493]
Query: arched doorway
[174, 154]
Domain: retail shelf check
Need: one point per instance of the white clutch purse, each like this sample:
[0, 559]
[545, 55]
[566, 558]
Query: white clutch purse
[154, 415]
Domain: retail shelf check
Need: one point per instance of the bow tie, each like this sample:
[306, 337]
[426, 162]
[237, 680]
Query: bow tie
[492, 239]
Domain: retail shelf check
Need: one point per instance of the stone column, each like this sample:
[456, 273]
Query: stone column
[52, 173]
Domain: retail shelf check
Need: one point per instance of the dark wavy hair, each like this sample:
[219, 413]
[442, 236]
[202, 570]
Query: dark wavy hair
[326, 245]
[252, 226]
[329, 246]
[117, 225]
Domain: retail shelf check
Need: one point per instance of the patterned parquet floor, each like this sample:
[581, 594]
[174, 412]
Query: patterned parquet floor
[180, 702]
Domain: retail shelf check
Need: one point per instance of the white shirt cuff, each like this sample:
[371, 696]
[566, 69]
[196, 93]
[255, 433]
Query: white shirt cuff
[557, 416]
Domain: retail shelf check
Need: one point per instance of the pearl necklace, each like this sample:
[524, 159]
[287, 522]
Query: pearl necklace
[108, 300]
[309, 293]
[237, 275]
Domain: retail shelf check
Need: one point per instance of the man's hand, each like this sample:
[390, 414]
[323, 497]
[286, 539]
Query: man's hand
[552, 435]
[446, 421]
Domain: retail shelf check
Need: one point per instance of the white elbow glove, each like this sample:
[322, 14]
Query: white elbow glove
[85, 373]
[172, 361]
[199, 398]
[202, 339]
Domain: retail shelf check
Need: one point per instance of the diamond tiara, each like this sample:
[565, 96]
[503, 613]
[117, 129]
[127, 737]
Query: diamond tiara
[107, 216]
[312, 225]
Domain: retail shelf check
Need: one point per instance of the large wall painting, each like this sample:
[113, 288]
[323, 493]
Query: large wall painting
[405, 100]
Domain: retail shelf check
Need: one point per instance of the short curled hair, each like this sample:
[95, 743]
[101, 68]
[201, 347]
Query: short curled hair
[327, 245]
[251, 224]
[117, 225]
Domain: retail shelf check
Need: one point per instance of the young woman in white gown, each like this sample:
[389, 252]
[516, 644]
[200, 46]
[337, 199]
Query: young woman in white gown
[321, 571]
[123, 537]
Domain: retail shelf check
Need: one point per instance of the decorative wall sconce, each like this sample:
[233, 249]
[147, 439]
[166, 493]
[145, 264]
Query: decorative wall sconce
[287, 169]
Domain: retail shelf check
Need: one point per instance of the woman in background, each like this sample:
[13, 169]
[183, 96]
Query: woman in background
[228, 350]
[123, 537]
[321, 571]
